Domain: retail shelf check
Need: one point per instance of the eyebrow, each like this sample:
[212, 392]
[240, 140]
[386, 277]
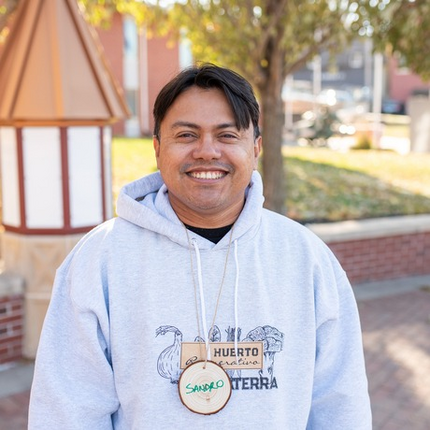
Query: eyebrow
[221, 126]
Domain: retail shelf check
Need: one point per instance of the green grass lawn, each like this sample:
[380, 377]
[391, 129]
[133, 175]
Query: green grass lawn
[131, 159]
[322, 184]
[325, 185]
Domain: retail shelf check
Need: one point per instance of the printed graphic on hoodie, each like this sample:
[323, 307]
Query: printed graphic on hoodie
[169, 367]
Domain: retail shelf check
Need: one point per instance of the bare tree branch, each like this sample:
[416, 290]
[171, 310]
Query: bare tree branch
[274, 11]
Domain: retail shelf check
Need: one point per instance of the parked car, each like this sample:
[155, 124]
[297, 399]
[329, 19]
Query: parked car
[314, 129]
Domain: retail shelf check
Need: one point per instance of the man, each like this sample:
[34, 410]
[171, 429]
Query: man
[196, 307]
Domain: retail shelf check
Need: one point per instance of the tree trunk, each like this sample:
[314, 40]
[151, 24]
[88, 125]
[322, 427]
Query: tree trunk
[272, 131]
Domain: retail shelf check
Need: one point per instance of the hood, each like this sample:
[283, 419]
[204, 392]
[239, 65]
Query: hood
[145, 203]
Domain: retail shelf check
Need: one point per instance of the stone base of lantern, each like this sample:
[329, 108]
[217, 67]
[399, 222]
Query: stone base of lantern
[35, 259]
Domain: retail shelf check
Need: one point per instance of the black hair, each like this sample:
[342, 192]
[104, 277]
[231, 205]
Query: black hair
[237, 89]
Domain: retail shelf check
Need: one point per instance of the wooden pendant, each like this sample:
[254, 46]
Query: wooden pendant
[204, 387]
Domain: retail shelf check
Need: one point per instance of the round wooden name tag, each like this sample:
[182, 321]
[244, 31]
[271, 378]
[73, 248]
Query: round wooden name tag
[204, 387]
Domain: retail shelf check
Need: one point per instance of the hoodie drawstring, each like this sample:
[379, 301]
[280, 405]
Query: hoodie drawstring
[202, 297]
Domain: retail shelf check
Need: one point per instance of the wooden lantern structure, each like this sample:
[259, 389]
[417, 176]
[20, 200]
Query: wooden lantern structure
[57, 102]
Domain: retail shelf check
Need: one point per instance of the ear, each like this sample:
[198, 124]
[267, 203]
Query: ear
[156, 145]
[257, 150]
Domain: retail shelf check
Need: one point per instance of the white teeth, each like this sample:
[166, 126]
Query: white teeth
[207, 175]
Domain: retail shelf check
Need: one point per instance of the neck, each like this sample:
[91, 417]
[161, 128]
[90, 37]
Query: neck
[207, 219]
[207, 222]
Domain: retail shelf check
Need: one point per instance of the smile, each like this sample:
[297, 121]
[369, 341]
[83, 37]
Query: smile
[207, 175]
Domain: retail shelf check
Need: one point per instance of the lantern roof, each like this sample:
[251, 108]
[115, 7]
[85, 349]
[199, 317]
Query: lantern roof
[53, 69]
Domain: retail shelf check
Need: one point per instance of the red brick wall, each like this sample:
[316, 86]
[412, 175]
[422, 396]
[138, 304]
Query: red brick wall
[163, 65]
[11, 328]
[402, 84]
[384, 258]
[112, 39]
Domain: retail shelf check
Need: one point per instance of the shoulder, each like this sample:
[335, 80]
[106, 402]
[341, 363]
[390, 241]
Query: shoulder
[310, 258]
[96, 236]
[285, 236]
[92, 247]
[113, 231]
[281, 227]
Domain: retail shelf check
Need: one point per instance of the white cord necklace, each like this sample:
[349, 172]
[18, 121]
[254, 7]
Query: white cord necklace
[204, 386]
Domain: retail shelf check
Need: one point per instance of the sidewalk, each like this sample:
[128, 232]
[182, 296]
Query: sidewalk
[396, 337]
[395, 318]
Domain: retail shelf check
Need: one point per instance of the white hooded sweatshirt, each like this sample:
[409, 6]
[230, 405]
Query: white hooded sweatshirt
[135, 288]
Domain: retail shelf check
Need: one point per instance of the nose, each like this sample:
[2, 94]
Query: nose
[207, 148]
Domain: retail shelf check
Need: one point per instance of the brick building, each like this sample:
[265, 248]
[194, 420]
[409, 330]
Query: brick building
[402, 83]
[142, 66]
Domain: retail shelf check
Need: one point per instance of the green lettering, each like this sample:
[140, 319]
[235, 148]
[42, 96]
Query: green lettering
[214, 385]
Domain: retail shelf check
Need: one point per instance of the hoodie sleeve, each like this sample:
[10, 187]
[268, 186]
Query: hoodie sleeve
[340, 394]
[73, 385]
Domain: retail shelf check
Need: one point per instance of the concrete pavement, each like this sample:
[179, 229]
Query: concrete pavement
[395, 318]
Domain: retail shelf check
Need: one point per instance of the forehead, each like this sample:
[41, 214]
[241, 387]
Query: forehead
[199, 105]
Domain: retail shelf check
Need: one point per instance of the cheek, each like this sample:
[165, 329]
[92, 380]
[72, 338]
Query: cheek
[253, 160]
[168, 161]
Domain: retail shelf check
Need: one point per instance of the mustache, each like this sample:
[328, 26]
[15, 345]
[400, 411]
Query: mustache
[206, 166]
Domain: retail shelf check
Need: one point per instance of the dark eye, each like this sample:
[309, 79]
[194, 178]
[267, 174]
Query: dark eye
[228, 136]
[186, 136]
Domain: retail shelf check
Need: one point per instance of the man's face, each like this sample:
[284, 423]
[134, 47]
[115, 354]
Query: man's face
[205, 161]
